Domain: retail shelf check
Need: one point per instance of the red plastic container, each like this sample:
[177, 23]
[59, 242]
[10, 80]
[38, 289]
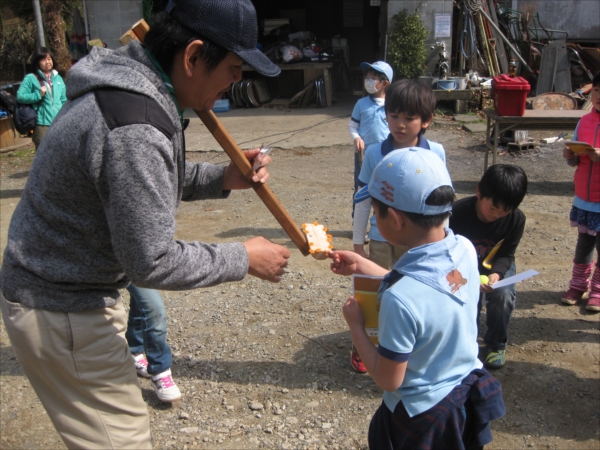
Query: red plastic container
[510, 95]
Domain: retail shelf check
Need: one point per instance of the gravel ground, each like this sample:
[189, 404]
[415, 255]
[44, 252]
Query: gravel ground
[265, 365]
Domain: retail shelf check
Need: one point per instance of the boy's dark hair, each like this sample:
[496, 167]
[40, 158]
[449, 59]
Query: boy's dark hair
[167, 37]
[39, 54]
[438, 197]
[505, 184]
[380, 75]
[410, 97]
[596, 80]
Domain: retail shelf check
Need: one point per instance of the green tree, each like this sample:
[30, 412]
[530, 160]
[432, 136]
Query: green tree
[55, 29]
[406, 44]
[16, 46]
[56, 19]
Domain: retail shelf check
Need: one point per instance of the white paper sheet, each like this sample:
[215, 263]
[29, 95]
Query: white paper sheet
[515, 279]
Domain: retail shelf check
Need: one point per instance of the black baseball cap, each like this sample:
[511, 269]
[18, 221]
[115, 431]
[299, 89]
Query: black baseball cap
[231, 24]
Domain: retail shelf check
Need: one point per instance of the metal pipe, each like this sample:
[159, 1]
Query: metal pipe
[38, 23]
[514, 51]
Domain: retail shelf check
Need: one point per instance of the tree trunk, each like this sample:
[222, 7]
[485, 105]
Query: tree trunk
[55, 34]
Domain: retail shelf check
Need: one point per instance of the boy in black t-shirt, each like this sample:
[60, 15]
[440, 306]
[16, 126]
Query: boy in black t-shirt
[486, 219]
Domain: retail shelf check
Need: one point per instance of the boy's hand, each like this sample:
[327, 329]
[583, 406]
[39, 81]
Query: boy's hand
[594, 155]
[352, 313]
[233, 178]
[348, 263]
[568, 153]
[487, 288]
[344, 262]
[266, 260]
[359, 145]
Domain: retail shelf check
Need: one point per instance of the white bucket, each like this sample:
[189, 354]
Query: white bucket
[461, 82]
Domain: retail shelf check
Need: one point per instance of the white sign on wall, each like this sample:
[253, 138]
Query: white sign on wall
[443, 25]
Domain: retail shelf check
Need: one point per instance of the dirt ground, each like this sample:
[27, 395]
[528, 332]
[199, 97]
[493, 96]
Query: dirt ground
[265, 365]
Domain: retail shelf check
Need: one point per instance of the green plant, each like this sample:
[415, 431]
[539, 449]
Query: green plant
[406, 51]
[16, 45]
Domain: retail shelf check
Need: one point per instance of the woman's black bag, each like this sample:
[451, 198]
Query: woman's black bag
[25, 117]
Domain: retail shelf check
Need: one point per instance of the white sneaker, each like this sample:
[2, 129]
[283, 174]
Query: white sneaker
[141, 365]
[164, 386]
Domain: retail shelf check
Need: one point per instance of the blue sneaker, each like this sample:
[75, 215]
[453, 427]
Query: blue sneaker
[495, 359]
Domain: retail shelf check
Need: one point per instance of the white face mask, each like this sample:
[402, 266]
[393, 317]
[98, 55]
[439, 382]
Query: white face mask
[371, 86]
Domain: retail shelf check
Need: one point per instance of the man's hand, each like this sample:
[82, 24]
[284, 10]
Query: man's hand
[359, 145]
[233, 178]
[266, 259]
[487, 288]
[43, 90]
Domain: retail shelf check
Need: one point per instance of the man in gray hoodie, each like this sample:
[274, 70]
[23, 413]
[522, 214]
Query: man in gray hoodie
[98, 212]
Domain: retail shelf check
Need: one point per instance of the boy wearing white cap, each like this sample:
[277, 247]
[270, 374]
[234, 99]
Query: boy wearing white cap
[436, 393]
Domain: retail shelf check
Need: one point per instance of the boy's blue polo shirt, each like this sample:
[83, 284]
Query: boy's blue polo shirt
[435, 331]
[373, 156]
[371, 120]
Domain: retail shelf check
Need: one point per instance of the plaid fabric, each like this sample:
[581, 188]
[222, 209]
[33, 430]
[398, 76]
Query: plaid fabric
[459, 421]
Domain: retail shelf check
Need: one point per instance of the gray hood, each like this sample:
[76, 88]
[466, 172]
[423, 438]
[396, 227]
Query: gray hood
[127, 68]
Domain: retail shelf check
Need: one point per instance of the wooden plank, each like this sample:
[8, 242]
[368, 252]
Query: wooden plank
[546, 78]
[555, 70]
[562, 74]
[501, 51]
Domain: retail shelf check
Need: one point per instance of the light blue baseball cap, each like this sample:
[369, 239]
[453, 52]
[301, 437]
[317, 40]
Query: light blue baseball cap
[379, 66]
[405, 178]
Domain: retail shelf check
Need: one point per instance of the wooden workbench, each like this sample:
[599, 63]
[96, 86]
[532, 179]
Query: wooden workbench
[534, 119]
[310, 71]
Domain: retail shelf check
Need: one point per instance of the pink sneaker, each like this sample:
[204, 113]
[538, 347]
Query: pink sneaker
[141, 365]
[165, 388]
[572, 297]
[593, 304]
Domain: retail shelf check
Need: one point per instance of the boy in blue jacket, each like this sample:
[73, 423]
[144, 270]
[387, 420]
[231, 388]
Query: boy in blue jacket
[436, 393]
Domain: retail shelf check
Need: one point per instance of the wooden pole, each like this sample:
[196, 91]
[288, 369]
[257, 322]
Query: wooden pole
[214, 125]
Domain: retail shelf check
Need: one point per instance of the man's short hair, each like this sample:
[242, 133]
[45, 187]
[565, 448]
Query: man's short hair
[596, 79]
[438, 197]
[167, 37]
[505, 184]
[410, 97]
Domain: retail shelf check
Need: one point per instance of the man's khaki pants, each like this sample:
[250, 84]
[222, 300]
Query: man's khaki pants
[80, 367]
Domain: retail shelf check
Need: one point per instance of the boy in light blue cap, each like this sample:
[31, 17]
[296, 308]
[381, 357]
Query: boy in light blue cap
[437, 395]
